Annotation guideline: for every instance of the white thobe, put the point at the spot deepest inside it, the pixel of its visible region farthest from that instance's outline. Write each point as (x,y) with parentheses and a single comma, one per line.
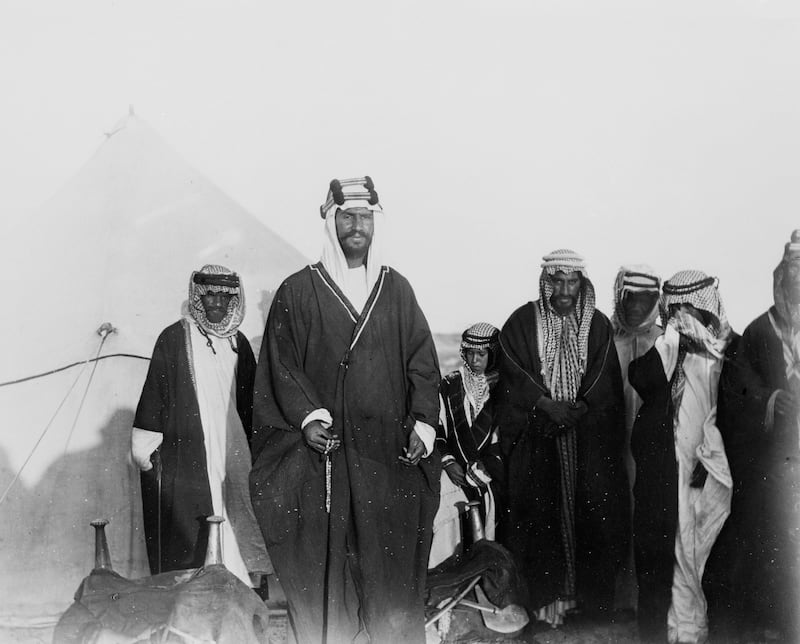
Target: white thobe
(701,511)
(227,452)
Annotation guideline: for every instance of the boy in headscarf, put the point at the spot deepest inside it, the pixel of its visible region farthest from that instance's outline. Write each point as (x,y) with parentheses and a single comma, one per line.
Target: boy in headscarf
(683,483)
(560,414)
(757,559)
(467,440)
(344,485)
(190,433)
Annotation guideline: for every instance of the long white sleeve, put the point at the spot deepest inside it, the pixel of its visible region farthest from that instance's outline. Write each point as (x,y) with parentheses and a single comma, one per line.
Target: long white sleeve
(143,444)
(427,435)
(667,345)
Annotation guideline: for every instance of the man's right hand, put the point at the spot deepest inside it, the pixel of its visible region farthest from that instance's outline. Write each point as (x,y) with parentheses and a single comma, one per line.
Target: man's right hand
(142,462)
(560,412)
(320,439)
(456,474)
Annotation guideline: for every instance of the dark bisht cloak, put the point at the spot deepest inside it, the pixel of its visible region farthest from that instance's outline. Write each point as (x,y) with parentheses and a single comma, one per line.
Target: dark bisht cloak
(753,574)
(168,405)
(655,514)
(360,569)
(531,526)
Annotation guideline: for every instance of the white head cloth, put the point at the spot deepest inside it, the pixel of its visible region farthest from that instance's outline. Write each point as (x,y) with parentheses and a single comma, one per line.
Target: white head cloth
(789,316)
(635,278)
(332,254)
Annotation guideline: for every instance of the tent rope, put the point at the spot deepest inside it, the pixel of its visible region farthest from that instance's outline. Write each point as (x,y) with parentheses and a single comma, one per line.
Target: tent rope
(46,428)
(85,363)
(85,392)
(70,366)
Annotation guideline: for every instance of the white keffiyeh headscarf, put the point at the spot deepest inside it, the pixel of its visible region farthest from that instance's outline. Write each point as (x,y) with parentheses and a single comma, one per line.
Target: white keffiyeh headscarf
(344,194)
(787,321)
(635,278)
(789,315)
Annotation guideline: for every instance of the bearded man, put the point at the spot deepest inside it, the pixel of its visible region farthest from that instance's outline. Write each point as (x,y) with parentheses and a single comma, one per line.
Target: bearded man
(346,400)
(759,416)
(636,297)
(560,408)
(192,422)
(683,484)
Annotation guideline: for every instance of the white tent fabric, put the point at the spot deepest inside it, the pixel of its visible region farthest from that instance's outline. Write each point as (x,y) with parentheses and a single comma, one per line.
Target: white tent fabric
(117,244)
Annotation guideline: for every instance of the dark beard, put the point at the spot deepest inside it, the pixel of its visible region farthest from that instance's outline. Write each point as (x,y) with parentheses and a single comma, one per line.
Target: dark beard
(573,305)
(351,253)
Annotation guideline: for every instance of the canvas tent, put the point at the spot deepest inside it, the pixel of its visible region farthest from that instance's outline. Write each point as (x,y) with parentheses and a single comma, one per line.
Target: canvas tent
(116,245)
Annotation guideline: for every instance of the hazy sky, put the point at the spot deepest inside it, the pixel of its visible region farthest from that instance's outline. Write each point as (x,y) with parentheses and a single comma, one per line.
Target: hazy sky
(496,131)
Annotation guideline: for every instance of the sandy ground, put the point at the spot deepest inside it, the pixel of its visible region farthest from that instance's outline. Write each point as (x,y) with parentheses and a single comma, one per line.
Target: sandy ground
(581,632)
(578,632)
(470,629)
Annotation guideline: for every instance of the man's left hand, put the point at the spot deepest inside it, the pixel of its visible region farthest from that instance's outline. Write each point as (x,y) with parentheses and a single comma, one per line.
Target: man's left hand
(413,453)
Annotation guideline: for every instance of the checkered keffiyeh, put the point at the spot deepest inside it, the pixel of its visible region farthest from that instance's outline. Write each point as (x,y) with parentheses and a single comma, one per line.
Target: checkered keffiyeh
(213,277)
(698,289)
(481,335)
(566,338)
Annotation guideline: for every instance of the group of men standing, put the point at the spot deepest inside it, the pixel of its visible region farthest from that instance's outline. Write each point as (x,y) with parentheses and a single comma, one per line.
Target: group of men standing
(602,425)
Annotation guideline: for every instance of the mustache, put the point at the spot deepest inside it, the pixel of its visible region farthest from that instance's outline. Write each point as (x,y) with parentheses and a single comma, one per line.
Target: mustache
(568,300)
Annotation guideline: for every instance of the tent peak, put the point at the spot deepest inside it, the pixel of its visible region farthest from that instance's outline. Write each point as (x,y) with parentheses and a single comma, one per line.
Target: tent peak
(129,118)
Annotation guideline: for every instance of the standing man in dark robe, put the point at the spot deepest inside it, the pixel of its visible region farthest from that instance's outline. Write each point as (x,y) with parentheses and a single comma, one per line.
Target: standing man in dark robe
(561,419)
(757,557)
(190,433)
(637,292)
(683,483)
(346,400)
